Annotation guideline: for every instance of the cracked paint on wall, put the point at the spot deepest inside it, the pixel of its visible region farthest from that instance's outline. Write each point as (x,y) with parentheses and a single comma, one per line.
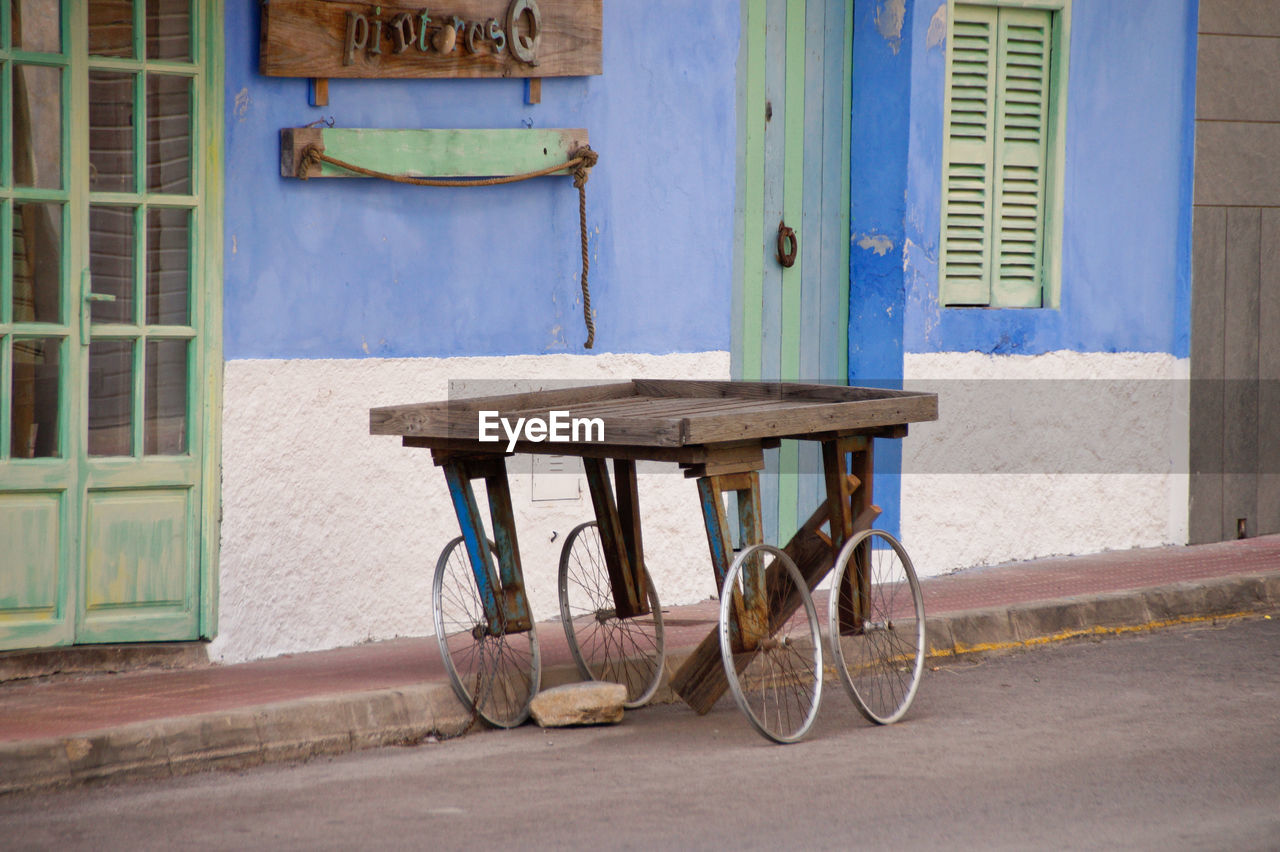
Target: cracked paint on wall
(937,34)
(878,243)
(889,20)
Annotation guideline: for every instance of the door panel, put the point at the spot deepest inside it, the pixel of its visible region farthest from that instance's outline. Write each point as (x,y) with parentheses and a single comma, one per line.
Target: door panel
(791,322)
(138,571)
(30,526)
(108,259)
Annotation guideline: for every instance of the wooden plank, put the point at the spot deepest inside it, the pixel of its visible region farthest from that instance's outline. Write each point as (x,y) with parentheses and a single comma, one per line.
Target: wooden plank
(764,390)
(382,416)
(774,174)
(1269,377)
(1240,365)
(833,335)
(428,153)
(862,463)
(731,458)
(628,493)
(461,421)
(811,226)
(793,213)
(330,38)
(616,557)
(690,455)
(800,422)
(750,292)
(1208,296)
(517,617)
(318,95)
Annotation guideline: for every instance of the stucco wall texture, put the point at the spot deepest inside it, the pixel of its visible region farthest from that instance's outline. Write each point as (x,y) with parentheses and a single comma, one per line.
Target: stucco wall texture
(1034,456)
(330,535)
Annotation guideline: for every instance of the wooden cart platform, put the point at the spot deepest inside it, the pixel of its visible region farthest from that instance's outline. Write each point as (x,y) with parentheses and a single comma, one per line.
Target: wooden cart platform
(716,431)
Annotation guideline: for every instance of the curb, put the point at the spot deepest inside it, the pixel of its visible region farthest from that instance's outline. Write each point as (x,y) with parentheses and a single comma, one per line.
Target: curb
(334,724)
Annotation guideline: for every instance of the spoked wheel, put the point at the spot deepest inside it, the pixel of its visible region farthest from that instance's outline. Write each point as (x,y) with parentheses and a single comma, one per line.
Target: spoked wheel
(777,682)
(495,673)
(881,659)
(629,651)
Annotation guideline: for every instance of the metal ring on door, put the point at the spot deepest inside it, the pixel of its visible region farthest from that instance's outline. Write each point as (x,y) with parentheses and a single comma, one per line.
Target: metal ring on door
(788,245)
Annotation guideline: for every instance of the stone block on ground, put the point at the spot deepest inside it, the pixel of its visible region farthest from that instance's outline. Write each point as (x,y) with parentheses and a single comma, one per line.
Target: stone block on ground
(591,703)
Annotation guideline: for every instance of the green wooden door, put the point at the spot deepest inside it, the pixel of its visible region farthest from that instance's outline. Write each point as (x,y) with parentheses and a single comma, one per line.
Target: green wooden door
(108,344)
(791,322)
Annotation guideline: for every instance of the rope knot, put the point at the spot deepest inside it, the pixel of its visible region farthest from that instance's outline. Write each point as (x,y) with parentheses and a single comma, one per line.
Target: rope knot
(311,156)
(588,160)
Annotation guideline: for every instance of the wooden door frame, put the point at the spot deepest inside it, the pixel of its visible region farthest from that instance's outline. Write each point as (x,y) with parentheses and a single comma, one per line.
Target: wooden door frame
(205,370)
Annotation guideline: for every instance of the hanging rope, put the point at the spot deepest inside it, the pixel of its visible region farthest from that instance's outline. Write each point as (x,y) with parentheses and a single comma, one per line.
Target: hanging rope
(581,162)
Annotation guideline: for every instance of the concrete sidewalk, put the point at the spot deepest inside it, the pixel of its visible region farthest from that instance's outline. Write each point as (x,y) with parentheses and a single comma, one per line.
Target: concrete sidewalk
(59,731)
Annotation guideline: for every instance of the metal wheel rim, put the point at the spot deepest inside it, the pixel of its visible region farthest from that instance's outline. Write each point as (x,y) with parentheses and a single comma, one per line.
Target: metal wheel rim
(647,674)
(776,733)
(495,654)
(872,705)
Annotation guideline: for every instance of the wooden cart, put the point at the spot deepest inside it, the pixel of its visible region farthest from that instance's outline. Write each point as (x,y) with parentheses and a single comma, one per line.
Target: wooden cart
(767,648)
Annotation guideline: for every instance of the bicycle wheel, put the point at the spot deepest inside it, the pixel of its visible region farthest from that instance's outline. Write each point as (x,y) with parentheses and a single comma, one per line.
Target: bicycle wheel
(880,662)
(629,651)
(778,683)
(493,672)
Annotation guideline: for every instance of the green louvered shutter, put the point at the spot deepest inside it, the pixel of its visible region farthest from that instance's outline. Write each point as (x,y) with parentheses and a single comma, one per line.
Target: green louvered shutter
(1021,145)
(966,253)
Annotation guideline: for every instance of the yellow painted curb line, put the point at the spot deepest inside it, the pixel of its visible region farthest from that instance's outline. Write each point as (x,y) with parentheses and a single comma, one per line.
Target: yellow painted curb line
(1064,635)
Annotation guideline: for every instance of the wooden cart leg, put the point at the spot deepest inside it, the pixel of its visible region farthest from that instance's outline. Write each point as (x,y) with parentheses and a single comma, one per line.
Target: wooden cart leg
(618,522)
(750,607)
(851,511)
(506,605)
(701,680)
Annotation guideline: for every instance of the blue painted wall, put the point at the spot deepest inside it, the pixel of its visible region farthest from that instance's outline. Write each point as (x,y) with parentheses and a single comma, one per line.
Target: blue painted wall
(878,173)
(1126,215)
(354,268)
(1127,200)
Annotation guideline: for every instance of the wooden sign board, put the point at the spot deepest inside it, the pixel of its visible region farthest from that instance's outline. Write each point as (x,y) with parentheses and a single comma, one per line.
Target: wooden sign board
(459,38)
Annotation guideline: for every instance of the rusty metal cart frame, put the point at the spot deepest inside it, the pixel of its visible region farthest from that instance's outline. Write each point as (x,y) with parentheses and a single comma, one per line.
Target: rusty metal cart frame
(767,648)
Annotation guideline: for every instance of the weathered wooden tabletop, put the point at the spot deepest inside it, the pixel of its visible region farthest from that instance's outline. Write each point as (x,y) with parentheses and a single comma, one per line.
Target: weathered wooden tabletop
(663,420)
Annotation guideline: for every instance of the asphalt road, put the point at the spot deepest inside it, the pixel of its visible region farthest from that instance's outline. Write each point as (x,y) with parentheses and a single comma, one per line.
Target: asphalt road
(1159,741)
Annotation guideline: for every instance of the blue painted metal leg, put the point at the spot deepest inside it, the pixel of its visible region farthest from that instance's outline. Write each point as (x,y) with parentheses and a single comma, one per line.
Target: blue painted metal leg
(464,505)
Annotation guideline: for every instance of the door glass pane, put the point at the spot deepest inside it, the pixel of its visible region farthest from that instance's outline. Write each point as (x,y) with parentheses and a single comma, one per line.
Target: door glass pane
(37,261)
(168,243)
(168,29)
(37,126)
(111,261)
(165,424)
(111,151)
(37,25)
(111,27)
(168,134)
(35,398)
(110,398)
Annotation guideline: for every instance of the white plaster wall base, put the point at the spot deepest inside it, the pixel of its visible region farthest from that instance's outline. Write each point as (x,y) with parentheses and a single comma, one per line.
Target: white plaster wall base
(1044,455)
(330,535)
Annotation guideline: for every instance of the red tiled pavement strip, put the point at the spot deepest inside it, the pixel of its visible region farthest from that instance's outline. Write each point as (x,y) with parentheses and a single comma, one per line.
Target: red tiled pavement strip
(31,710)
